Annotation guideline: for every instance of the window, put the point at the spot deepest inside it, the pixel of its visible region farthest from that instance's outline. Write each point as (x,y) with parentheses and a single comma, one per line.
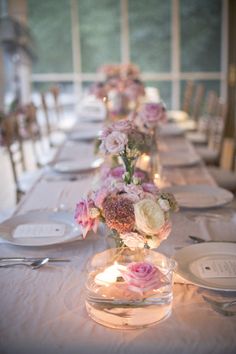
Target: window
(172,41)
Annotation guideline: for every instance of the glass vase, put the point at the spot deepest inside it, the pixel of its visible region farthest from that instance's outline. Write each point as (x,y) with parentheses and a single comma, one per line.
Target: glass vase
(114,301)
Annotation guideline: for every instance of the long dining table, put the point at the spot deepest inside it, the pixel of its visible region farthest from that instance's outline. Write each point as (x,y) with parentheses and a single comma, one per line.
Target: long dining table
(43,310)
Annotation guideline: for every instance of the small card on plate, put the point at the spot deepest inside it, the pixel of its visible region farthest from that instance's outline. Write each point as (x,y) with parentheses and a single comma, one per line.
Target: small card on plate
(39,230)
(217,268)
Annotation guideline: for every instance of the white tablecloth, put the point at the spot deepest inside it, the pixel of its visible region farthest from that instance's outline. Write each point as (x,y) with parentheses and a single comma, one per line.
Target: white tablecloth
(43,311)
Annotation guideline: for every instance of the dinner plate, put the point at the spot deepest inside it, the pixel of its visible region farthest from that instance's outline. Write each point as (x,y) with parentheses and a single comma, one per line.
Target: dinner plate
(171,129)
(177,116)
(210,265)
(200,196)
(84,135)
(43,219)
(76,166)
(179,159)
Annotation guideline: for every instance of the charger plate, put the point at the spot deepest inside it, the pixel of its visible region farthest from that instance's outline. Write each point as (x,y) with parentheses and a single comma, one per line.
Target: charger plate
(72,231)
(209,265)
(200,196)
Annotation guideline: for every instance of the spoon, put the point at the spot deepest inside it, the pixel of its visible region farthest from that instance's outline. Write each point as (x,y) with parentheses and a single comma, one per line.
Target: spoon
(34,265)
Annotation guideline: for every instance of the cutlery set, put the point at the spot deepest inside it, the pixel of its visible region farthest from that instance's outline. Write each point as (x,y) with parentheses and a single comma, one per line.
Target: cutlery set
(33,263)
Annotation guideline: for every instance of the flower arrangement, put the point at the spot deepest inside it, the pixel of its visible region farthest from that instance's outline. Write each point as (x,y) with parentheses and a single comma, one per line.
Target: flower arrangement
(129,70)
(150,116)
(137,213)
(124,140)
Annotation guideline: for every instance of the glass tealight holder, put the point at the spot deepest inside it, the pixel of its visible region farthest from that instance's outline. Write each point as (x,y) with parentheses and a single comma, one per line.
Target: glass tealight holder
(115,300)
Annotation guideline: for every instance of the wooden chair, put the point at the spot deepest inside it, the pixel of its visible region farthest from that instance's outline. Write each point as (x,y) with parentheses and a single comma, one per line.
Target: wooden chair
(212,152)
(200,137)
(14,144)
(183,115)
(188,95)
(55,91)
(43,153)
(55,136)
(225,175)
(197,102)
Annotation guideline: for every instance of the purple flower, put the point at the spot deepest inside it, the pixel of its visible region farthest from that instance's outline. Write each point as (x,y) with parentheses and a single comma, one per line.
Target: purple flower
(117,172)
(150,188)
(123,125)
(153,113)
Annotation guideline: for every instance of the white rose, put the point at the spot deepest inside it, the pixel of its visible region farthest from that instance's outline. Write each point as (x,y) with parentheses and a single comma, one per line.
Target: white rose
(164,204)
(153,242)
(115,142)
(149,217)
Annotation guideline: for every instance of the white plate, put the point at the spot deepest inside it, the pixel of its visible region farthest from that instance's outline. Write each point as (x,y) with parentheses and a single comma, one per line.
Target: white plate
(76,166)
(200,196)
(171,129)
(177,116)
(72,230)
(94,119)
(193,260)
(179,159)
(83,135)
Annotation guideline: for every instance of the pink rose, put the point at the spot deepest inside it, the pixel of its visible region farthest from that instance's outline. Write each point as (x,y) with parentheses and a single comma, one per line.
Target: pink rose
(83,215)
(124,126)
(153,113)
(114,143)
(105,132)
(142,277)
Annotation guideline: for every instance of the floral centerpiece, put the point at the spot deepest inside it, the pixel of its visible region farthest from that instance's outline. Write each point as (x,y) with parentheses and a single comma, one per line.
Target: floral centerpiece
(135,210)
(138,214)
(148,119)
(125,142)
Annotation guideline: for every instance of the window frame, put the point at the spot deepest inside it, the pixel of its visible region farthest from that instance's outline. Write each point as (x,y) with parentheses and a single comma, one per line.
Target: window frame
(175,76)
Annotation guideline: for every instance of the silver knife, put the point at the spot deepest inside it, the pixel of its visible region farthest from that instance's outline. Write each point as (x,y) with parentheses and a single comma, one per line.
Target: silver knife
(31,259)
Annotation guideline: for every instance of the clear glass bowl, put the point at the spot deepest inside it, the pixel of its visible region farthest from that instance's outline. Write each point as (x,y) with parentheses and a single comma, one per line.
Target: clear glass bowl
(113,303)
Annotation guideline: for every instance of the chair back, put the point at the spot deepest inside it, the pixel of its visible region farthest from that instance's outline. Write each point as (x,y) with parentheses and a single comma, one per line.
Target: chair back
(46,114)
(197,101)
(227,154)
(187,99)
(55,91)
(13,142)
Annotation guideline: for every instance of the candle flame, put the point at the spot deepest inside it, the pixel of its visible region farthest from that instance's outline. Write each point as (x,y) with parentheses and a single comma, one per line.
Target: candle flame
(109,275)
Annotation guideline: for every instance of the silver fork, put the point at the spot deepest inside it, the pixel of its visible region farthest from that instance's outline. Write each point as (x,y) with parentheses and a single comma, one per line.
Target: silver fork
(221,306)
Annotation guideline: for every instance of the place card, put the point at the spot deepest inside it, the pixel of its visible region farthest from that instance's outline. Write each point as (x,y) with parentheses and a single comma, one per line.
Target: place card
(39,230)
(217,268)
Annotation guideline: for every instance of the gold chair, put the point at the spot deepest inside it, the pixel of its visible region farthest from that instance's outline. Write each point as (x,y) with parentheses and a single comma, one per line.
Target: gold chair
(224,175)
(200,137)
(188,96)
(13,141)
(55,136)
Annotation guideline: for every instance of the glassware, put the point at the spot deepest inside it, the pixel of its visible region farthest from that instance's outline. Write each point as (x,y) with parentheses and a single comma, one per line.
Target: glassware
(114,302)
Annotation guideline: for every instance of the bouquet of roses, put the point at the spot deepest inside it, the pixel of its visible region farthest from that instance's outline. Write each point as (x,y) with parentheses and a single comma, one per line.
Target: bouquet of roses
(137,213)
(124,140)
